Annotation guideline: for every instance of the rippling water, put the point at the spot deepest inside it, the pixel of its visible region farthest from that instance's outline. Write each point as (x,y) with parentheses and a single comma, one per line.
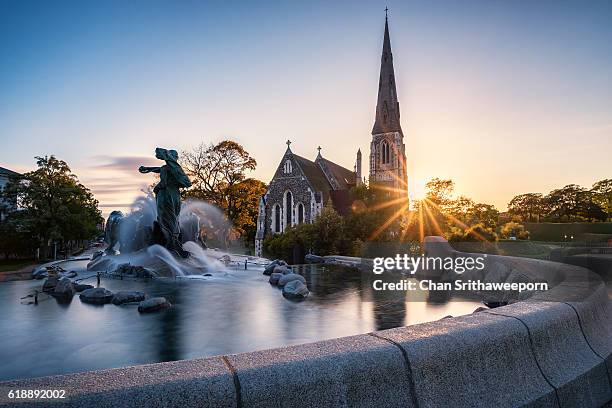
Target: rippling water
(221,315)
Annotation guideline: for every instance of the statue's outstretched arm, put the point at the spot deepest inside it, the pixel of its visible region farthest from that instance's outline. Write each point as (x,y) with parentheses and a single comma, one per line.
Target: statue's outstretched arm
(144,169)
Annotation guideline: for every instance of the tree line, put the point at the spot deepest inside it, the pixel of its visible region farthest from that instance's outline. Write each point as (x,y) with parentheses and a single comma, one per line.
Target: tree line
(54,211)
(571,203)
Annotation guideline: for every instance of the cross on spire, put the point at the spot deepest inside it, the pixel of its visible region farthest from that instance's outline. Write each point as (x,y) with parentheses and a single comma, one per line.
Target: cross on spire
(288,142)
(386,10)
(319,149)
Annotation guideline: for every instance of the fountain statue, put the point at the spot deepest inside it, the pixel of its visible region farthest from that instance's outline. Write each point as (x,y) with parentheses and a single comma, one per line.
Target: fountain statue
(166,229)
(164,237)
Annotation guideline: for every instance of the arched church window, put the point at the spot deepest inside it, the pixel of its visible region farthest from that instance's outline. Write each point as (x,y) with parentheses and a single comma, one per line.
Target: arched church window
(288,208)
(300,214)
(385,152)
(288,168)
(277,218)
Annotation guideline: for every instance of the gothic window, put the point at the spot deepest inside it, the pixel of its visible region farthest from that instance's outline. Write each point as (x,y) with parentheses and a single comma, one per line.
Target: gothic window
(300,213)
(277,218)
(288,208)
(385,152)
(287,168)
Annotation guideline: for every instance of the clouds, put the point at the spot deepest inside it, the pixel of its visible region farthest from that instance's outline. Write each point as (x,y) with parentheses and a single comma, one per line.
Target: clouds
(115,180)
(126,164)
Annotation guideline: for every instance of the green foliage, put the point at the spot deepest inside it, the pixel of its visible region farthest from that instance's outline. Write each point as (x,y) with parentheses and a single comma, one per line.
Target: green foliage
(54,206)
(514,229)
(571,203)
(218,175)
(475,233)
(602,196)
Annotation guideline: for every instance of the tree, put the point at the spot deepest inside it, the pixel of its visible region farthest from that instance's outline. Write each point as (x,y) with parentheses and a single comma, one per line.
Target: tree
(214,169)
(218,175)
(328,231)
(602,195)
(530,206)
(54,206)
(440,191)
(484,214)
(243,206)
(514,229)
(563,202)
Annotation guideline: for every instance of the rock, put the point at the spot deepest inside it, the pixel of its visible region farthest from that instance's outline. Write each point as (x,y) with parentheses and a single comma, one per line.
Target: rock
(274,278)
(71,274)
(63,289)
(312,258)
(96,296)
(285,279)
(283,269)
(135,271)
(128,296)
(79,287)
(153,305)
(479,309)
(49,284)
(40,273)
(270,268)
(295,289)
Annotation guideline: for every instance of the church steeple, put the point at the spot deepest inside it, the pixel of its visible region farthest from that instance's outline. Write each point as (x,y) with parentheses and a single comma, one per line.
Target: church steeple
(387,106)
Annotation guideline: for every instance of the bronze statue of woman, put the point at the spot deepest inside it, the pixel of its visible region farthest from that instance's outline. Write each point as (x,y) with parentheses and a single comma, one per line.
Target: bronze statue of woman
(166,230)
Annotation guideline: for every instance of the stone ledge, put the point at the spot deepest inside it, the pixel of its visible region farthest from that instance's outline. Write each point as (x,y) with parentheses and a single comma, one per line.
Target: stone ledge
(473,361)
(189,383)
(562,352)
(356,371)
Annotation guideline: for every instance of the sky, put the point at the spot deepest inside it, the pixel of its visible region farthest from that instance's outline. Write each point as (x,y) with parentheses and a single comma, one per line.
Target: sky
(503,97)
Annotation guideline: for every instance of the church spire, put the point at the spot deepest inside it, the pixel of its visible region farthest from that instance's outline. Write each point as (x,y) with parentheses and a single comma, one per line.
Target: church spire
(387,106)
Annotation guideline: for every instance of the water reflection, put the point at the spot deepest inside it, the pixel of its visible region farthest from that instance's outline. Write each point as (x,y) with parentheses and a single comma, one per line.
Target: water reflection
(233,314)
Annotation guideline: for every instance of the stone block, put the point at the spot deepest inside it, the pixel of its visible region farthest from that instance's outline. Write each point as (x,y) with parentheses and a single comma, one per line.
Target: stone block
(478,360)
(178,384)
(595,315)
(357,371)
(563,354)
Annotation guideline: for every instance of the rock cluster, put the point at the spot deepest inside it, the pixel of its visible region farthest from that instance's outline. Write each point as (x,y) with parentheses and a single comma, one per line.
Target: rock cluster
(270,268)
(293,284)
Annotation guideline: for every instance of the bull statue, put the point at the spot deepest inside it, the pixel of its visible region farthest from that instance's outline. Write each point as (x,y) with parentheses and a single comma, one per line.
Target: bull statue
(111,231)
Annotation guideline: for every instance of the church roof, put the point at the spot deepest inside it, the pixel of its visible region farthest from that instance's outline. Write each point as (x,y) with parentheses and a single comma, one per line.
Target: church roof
(387,106)
(7,172)
(314,174)
(344,176)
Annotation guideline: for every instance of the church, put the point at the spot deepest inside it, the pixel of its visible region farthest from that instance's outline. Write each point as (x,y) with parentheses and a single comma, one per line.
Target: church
(301,187)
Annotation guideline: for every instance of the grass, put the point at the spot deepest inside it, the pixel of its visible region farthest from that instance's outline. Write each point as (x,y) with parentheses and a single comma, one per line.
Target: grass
(15,264)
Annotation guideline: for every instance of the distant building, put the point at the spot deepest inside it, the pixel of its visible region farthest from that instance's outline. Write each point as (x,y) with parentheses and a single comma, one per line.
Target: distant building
(299,190)
(5,176)
(301,187)
(387,149)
